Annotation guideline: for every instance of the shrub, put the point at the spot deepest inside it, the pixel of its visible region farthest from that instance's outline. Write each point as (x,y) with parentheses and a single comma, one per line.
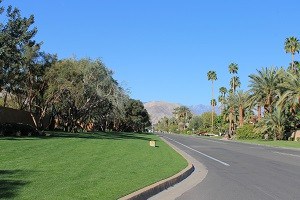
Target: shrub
(18,129)
(247,132)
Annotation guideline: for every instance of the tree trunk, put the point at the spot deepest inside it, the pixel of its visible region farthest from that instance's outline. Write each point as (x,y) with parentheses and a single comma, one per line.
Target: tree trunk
(258,112)
(213,109)
(241,116)
(5,99)
(293,67)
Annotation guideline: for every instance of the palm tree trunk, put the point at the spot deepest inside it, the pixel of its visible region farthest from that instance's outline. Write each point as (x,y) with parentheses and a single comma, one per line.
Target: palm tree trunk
(241,116)
(259,112)
(293,68)
(213,108)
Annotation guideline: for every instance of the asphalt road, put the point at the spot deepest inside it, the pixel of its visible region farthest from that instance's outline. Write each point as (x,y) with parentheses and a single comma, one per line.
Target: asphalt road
(241,171)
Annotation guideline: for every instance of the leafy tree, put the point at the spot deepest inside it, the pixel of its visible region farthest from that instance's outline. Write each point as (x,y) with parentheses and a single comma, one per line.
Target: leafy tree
(292,45)
(137,117)
(16,37)
(76,88)
(196,123)
(212,76)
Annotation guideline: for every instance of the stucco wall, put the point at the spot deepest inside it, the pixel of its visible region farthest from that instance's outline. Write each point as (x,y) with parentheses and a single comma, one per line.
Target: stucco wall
(9,115)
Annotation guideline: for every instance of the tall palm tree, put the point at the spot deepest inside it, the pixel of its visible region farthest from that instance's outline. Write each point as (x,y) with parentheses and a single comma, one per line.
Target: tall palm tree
(233,69)
(222,98)
(235,82)
(292,45)
(212,76)
(230,113)
(223,91)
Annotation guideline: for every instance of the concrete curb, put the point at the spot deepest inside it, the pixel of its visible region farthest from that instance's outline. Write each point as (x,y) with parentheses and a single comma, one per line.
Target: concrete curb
(158,187)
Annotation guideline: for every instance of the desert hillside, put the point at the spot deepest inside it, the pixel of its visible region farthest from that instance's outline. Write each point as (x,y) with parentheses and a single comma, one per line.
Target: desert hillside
(160,109)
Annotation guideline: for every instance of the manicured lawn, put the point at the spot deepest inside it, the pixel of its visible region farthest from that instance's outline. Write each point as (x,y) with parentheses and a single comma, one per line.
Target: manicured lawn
(278,143)
(83,166)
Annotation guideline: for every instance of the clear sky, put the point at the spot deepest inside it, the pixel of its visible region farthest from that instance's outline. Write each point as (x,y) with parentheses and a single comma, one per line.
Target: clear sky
(163,49)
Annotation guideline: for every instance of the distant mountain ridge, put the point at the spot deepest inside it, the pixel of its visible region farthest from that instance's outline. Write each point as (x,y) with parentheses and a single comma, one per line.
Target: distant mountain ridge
(160,109)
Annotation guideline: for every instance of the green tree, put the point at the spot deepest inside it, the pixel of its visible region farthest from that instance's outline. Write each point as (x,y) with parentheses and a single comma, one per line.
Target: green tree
(273,124)
(196,123)
(235,83)
(242,100)
(233,69)
(264,87)
(137,117)
(292,45)
(15,37)
(76,88)
(290,98)
(212,76)
(222,98)
(183,116)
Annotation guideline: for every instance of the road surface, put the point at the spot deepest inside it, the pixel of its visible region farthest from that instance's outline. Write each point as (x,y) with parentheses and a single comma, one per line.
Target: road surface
(241,171)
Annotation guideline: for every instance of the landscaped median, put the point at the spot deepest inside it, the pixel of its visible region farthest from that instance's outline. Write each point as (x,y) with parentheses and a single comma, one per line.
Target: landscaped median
(83,166)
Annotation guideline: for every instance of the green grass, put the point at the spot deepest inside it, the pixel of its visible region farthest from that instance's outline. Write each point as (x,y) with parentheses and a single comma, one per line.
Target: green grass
(277,143)
(83,166)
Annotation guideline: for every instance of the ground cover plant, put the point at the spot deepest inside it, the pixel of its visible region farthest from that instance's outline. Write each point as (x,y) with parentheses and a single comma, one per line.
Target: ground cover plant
(83,166)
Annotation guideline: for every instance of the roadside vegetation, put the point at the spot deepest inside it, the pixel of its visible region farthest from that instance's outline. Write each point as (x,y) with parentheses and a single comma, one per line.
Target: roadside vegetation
(77,94)
(83,165)
(269,110)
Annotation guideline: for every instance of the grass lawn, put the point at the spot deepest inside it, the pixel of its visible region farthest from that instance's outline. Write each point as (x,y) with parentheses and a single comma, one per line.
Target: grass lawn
(83,166)
(277,143)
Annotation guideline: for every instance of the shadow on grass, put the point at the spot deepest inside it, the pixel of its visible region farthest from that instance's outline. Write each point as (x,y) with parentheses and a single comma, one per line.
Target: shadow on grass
(10,183)
(95,135)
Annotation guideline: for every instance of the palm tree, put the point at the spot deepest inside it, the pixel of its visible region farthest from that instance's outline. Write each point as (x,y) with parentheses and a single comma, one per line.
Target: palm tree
(290,98)
(213,102)
(273,123)
(235,82)
(295,65)
(212,76)
(222,98)
(242,100)
(233,69)
(230,113)
(264,87)
(223,91)
(292,45)
(257,99)
(183,115)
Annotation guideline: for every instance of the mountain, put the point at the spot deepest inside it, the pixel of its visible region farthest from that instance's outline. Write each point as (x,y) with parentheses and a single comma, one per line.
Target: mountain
(199,109)
(160,109)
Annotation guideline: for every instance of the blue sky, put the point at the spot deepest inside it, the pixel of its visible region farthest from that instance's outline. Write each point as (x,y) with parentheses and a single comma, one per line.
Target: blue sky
(163,49)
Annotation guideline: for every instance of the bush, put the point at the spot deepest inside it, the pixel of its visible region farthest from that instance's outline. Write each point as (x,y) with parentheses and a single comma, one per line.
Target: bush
(247,132)
(18,129)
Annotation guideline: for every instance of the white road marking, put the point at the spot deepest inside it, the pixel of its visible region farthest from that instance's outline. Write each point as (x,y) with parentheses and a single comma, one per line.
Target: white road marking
(288,154)
(219,161)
